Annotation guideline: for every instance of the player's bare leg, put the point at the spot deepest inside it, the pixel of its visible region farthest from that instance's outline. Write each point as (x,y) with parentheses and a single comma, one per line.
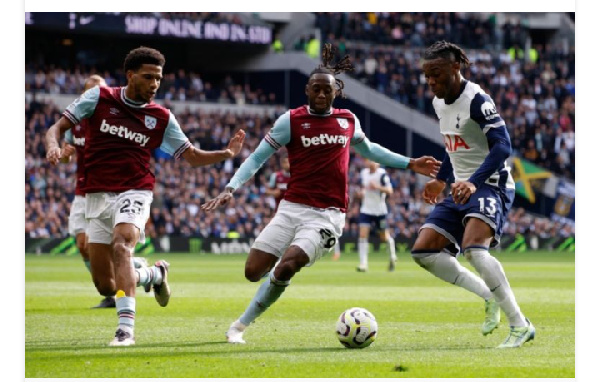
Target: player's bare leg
(477,239)
(391,243)
(259,263)
(102,267)
(82,245)
(363,248)
(125,237)
(427,252)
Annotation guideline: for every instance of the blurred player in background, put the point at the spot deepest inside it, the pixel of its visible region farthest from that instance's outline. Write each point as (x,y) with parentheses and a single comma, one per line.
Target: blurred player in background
(75,144)
(311,216)
(124,126)
(279,181)
(376,186)
(472,217)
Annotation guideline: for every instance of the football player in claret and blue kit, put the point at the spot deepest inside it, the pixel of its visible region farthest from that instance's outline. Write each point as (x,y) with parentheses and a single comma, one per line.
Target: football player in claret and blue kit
(311,216)
(124,125)
(471,219)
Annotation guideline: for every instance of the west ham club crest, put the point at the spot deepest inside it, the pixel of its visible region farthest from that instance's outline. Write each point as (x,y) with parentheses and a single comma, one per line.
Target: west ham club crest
(150,122)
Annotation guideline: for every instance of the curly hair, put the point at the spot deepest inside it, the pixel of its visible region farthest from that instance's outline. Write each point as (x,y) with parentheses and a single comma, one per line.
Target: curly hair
(143,55)
(343,65)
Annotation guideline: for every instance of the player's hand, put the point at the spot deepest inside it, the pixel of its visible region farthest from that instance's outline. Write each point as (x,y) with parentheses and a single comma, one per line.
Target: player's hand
(462,191)
(426,165)
(372,186)
(53,155)
(221,200)
(237,142)
(67,151)
(432,190)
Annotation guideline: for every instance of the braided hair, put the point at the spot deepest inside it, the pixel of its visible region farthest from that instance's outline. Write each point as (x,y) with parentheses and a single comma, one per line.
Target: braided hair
(448,51)
(343,65)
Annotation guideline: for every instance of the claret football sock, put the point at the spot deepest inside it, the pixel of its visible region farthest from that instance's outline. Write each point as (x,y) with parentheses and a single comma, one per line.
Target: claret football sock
(492,273)
(268,292)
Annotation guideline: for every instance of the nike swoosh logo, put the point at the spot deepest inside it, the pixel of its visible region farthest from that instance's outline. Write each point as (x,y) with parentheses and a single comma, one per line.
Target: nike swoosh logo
(493,289)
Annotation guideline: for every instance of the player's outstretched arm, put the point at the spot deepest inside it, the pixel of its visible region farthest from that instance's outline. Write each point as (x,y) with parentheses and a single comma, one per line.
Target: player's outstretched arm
(53,151)
(426,165)
(197,157)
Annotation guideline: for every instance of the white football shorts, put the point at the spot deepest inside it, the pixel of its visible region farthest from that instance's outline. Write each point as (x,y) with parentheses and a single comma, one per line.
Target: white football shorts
(315,230)
(77,222)
(104,210)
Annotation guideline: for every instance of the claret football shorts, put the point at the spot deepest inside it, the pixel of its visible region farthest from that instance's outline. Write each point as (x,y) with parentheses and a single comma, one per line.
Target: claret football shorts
(315,230)
(104,210)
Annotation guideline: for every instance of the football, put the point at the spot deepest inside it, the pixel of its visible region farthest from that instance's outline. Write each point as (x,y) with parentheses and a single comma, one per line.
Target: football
(356,328)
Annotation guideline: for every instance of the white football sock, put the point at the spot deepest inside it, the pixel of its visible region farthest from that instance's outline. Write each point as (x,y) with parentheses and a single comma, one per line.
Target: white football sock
(363,252)
(447,268)
(492,273)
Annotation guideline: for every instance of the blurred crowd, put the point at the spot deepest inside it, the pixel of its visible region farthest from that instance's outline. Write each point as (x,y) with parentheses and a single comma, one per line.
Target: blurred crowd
(181,189)
(180,86)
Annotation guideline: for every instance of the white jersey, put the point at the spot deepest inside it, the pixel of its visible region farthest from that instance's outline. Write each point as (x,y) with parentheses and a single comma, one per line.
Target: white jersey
(373,202)
(464,124)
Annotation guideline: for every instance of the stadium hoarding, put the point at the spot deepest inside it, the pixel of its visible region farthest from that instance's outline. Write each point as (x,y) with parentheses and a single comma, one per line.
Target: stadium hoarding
(225,246)
(150,25)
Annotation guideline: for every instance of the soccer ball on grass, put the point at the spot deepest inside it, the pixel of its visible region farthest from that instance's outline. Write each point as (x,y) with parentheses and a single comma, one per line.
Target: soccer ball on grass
(356,328)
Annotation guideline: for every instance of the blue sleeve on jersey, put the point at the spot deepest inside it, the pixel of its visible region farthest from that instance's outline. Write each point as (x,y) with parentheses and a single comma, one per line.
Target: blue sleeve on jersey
(84,106)
(280,133)
(174,141)
(483,111)
(359,135)
(252,164)
(500,149)
(69,137)
(446,172)
(380,154)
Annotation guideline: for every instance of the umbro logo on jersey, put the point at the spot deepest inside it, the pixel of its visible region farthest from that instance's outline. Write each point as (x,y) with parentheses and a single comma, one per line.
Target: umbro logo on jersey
(305,125)
(324,139)
(114,111)
(343,123)
(124,132)
(458,122)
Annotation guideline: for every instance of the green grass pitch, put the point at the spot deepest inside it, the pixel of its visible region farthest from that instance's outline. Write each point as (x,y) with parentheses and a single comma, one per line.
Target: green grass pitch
(427,328)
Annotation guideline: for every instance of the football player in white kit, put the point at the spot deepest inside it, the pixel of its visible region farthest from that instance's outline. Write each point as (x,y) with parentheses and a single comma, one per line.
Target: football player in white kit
(471,219)
(376,186)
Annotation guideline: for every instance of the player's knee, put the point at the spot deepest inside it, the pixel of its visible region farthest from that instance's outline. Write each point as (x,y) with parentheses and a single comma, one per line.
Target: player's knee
(289,267)
(122,250)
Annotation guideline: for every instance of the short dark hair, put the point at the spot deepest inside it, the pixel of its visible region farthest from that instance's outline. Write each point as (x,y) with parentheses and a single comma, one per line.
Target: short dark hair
(341,66)
(448,51)
(143,55)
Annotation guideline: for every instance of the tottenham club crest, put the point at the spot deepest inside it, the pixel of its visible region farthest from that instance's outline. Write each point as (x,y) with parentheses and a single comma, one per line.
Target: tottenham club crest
(150,122)
(343,123)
